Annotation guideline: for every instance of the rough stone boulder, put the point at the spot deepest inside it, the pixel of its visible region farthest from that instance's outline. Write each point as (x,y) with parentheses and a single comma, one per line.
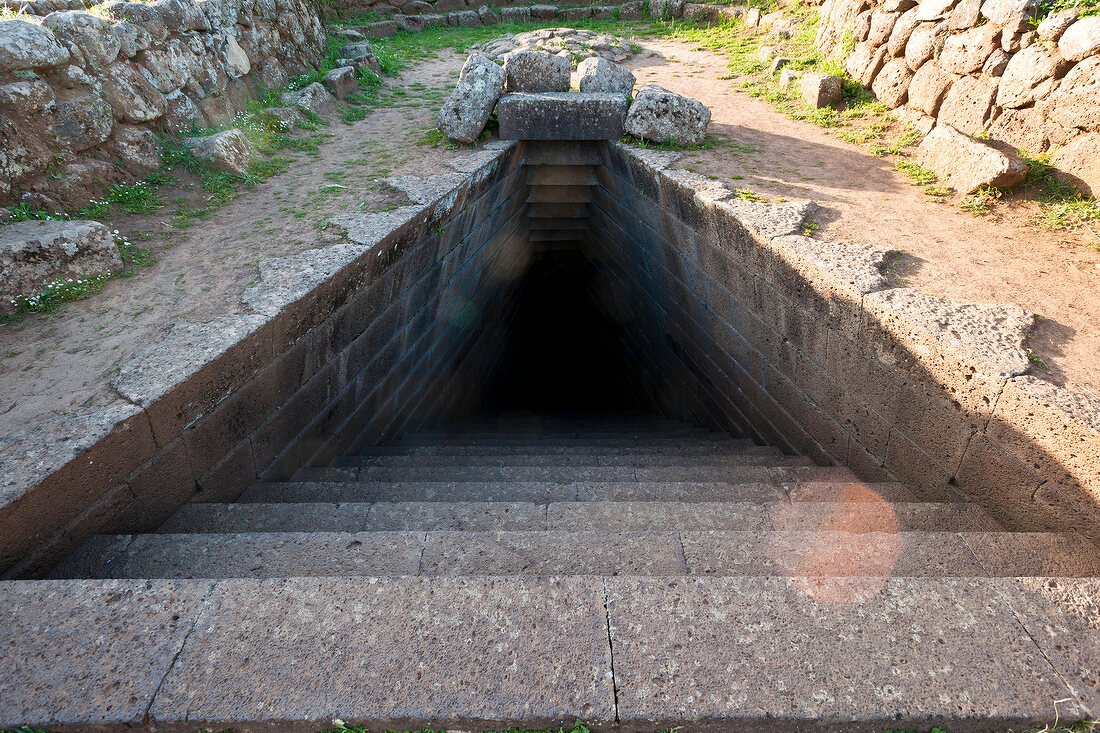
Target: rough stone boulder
(25,46)
(312,98)
(891,86)
(35,253)
(86,35)
(657,114)
(966,163)
(1029,76)
(1081,39)
(536,71)
(341,81)
(229,151)
(1079,163)
(821,90)
(597,74)
(466,111)
(1011,14)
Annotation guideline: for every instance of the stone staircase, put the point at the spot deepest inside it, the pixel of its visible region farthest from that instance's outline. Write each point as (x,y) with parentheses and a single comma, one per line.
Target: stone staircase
(620,568)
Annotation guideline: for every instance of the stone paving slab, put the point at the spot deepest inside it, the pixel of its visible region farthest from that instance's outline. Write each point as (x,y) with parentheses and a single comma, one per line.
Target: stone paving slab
(830,554)
(880,516)
(682,491)
(289,517)
(557,472)
(451,449)
(467,516)
(1035,553)
(395,649)
(634,516)
(1062,616)
(264,554)
(84,652)
(754,456)
(553,553)
(849,491)
(367,491)
(761,650)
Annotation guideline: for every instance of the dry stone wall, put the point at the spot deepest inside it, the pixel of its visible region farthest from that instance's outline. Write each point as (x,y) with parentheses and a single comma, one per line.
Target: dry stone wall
(982,67)
(82,92)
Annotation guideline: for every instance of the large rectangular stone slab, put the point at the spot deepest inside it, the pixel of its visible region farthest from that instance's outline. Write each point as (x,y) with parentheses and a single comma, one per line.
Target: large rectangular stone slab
(426,650)
(633,516)
(561,116)
(81,652)
(857,653)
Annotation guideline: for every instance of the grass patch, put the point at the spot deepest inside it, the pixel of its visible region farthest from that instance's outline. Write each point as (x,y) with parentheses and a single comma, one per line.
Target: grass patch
(980,202)
(918,176)
(1061,206)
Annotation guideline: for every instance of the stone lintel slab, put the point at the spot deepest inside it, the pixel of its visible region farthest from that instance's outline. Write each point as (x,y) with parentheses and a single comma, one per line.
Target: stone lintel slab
(394,649)
(846,654)
(561,116)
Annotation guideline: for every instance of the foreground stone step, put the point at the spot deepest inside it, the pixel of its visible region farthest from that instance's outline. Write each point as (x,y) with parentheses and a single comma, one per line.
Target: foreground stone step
(592,515)
(544,434)
(757,455)
(534,444)
(601,552)
(522,649)
(751,469)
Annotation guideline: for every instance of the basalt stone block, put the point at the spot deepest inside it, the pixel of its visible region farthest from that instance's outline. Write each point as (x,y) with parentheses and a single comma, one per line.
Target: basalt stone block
(561,116)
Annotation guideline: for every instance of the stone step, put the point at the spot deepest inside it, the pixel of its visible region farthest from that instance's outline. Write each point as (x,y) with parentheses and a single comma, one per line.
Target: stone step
(547,444)
(474,450)
(556,235)
(749,456)
(715,653)
(591,515)
(559,194)
(545,492)
(550,432)
(768,467)
(561,175)
(557,211)
(723,553)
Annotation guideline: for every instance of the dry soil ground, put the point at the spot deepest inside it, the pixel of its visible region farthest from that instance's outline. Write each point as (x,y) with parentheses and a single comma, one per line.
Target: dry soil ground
(55,363)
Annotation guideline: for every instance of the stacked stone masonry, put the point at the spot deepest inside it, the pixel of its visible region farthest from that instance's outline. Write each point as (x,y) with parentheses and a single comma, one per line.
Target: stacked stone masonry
(83,90)
(981,67)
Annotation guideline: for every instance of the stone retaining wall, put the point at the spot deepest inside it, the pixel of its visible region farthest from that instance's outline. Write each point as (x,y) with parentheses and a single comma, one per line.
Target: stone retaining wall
(982,67)
(802,344)
(82,92)
(353,343)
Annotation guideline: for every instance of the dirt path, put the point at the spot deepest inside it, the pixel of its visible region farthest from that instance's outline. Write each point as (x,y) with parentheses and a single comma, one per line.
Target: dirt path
(54,363)
(952,254)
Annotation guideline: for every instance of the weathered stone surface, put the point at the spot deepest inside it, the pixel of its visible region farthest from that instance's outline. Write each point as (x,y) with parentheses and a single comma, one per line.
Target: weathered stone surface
(903,28)
(657,114)
(882,23)
(180,113)
(119,639)
(928,87)
(26,45)
(131,96)
(965,53)
(393,649)
(26,98)
(990,336)
(464,19)
(997,62)
(182,15)
(562,116)
(597,74)
(516,15)
(969,103)
(935,624)
(146,16)
(771,220)
(84,122)
(934,9)
(965,15)
(341,81)
(891,86)
(1055,24)
(925,41)
(170,67)
(857,267)
(284,280)
(93,37)
(967,163)
(1011,14)
(36,253)
(1081,39)
(1074,102)
(312,98)
(466,111)
(161,365)
(1079,163)
(229,151)
(1023,129)
(418,23)
(536,71)
(821,90)
(634,10)
(137,147)
(1028,76)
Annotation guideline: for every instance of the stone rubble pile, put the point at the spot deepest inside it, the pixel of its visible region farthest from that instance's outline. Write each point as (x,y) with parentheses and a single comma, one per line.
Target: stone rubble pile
(81,91)
(655,114)
(569,43)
